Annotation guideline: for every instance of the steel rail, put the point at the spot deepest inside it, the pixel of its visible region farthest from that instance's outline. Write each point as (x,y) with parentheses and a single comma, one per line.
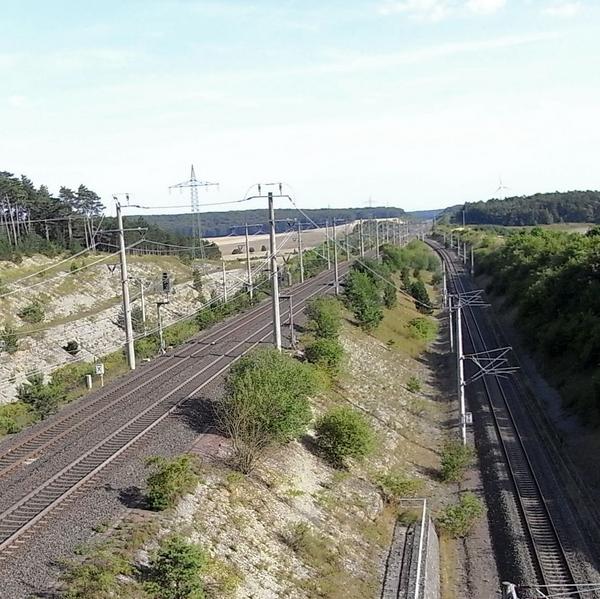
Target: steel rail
(548,551)
(30,509)
(42,439)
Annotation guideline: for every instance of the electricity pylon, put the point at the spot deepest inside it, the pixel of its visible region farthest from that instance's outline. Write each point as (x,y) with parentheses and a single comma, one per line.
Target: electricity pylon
(193,184)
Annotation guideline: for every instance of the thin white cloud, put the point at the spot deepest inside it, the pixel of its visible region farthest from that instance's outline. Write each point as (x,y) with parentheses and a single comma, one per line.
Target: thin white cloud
(563,10)
(393,59)
(485,7)
(438,10)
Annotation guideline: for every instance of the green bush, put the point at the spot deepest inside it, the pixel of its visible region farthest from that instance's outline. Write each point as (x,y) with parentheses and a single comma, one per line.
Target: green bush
(413,384)
(326,353)
(363,299)
(396,485)
(390,297)
(324,317)
(458,519)
(8,425)
(343,433)
(146,347)
(137,322)
(10,339)
(423,328)
(32,313)
(421,297)
(175,570)
(265,403)
(170,480)
(44,399)
(456,458)
(98,576)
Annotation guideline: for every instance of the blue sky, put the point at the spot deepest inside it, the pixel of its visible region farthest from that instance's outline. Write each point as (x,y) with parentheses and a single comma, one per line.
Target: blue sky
(415,103)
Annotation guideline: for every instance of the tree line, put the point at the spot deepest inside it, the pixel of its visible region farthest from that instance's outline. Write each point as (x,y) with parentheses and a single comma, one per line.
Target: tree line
(218,224)
(553,279)
(32,220)
(538,209)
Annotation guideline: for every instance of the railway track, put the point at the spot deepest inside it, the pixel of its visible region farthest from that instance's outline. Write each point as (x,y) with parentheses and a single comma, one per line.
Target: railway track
(21,517)
(550,552)
(30,446)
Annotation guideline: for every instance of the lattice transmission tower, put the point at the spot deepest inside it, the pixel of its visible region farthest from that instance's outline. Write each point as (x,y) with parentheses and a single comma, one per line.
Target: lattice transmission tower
(193,184)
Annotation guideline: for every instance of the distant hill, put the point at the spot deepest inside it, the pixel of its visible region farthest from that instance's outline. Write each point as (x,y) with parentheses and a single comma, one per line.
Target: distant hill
(218,224)
(538,209)
(425,214)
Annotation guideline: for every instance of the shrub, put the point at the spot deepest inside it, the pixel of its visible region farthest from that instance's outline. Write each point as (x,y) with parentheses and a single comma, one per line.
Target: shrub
(146,347)
(263,248)
(98,576)
(9,425)
(389,295)
(324,317)
(363,299)
(344,433)
(265,403)
(423,328)
(197,280)
(137,321)
(170,480)
(413,384)
(325,353)
(175,571)
(10,339)
(44,399)
(458,519)
(421,297)
(32,313)
(72,347)
(395,486)
(456,458)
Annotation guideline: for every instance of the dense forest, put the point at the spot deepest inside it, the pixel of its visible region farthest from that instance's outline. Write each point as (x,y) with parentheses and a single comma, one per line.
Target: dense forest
(33,220)
(553,278)
(217,224)
(538,209)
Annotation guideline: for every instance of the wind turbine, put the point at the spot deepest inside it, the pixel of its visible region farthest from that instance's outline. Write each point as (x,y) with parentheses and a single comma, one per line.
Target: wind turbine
(501,189)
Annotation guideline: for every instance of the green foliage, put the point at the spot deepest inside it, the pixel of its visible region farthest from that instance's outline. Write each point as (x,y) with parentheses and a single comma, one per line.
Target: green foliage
(422,301)
(10,339)
(43,398)
(456,458)
(457,520)
(538,209)
(343,433)
(175,571)
(396,486)
(325,353)
(137,322)
(389,295)
(265,403)
(98,576)
(552,279)
(13,417)
(73,214)
(413,384)
(170,480)
(324,316)
(32,313)
(423,328)
(146,347)
(363,299)
(197,281)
